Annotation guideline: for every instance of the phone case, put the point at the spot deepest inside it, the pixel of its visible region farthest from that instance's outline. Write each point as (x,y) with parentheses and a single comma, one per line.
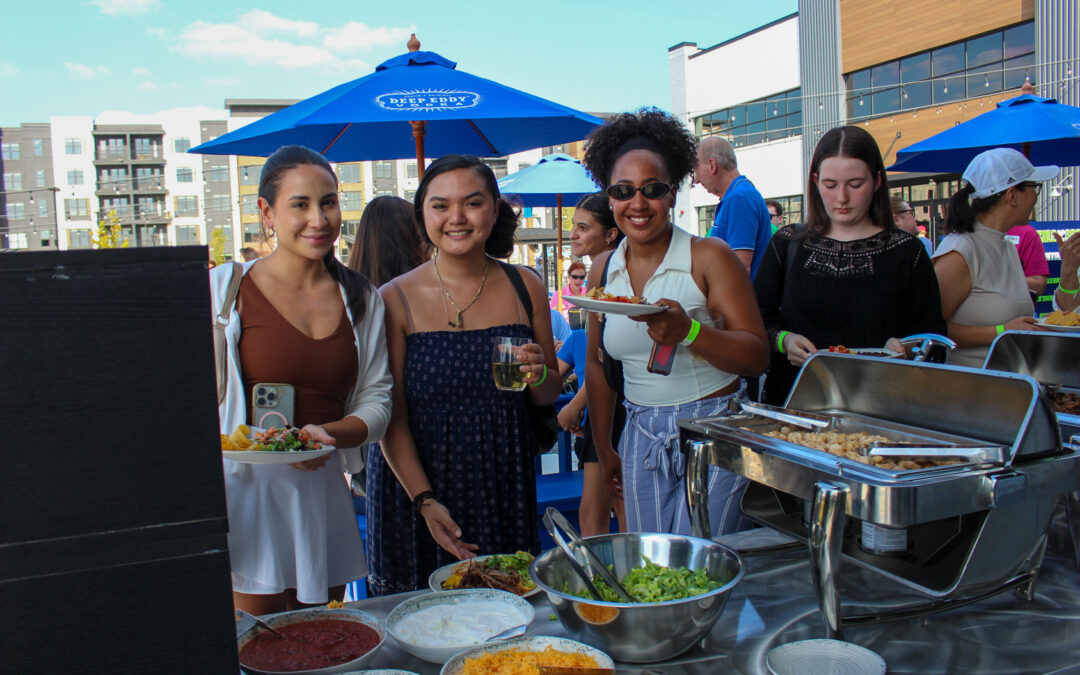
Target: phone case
(661,359)
(272,404)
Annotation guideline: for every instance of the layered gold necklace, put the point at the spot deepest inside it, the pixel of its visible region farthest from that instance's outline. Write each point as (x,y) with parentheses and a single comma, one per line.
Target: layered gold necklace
(460,310)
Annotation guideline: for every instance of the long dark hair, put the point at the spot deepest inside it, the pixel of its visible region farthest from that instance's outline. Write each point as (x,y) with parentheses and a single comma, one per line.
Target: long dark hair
(500,243)
(387,241)
(963,210)
(647,129)
(289,157)
(598,205)
(857,143)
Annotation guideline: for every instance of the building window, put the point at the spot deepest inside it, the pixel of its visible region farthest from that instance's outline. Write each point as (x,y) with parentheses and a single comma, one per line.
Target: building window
(187,235)
(16,210)
(252,233)
(9,150)
(72,146)
(349,173)
(181,144)
(767,119)
(146,148)
(218,204)
(43,208)
(982,65)
(705,217)
(18,240)
(410,170)
(250,175)
(121,206)
(40,178)
(115,179)
(111,148)
(384,193)
(186,205)
(792,205)
(12,181)
(352,200)
(249,204)
(410,195)
(79,238)
(219,173)
(148,178)
(46,238)
(185,174)
(497,165)
(349,227)
(39,147)
(384,170)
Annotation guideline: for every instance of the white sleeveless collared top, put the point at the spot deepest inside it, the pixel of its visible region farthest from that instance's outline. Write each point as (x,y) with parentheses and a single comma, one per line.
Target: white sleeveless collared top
(691,377)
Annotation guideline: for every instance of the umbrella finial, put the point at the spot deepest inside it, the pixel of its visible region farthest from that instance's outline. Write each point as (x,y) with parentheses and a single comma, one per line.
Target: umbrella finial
(1027,88)
(413,44)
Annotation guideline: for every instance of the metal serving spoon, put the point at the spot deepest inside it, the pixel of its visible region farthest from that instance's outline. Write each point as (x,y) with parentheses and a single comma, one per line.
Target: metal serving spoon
(259,622)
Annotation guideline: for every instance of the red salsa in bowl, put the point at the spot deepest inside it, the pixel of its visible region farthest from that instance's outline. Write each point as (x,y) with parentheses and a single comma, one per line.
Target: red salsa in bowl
(314,640)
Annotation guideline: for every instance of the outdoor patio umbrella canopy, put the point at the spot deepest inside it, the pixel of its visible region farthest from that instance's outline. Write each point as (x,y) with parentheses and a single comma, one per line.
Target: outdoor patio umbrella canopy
(556,175)
(1046,131)
(371,118)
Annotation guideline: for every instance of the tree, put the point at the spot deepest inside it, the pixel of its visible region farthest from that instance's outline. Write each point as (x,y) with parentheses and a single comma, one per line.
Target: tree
(109,232)
(217,245)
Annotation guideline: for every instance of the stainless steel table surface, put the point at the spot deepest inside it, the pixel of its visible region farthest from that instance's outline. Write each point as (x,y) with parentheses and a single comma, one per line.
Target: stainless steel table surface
(775,604)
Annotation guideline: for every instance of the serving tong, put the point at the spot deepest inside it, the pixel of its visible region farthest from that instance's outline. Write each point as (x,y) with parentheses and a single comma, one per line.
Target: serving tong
(803,420)
(556,525)
(975,454)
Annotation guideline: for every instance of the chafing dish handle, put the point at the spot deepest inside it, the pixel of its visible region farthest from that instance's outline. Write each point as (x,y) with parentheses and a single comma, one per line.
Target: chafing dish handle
(697,486)
(827,518)
(923,342)
(1072,519)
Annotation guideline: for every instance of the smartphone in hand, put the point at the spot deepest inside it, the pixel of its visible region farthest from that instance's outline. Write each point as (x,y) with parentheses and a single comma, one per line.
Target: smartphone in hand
(272,404)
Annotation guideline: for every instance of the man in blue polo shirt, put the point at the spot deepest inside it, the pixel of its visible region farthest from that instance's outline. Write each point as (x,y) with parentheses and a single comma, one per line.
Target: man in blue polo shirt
(742,219)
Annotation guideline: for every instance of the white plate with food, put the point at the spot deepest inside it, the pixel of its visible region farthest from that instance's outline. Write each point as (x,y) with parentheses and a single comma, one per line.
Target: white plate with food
(288,445)
(1056,327)
(501,579)
(614,306)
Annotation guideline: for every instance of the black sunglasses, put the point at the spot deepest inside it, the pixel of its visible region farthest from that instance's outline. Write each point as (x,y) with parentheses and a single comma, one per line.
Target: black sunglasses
(577,276)
(1028,185)
(623,192)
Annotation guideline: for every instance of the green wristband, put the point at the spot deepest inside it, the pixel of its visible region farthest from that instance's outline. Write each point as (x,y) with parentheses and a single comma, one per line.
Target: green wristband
(780,340)
(691,335)
(1000,329)
(1068,291)
(541,380)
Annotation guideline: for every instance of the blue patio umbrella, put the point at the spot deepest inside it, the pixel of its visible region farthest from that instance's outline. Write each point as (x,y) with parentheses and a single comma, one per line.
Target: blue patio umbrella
(412,104)
(555,178)
(1046,131)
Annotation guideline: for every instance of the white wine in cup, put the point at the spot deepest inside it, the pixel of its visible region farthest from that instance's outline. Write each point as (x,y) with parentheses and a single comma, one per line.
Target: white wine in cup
(507,358)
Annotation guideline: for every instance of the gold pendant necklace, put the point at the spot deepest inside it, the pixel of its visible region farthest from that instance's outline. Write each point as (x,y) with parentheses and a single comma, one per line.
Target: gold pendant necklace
(460,310)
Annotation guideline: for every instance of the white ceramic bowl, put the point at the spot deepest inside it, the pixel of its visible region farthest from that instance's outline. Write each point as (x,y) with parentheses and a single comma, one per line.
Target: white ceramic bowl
(436,578)
(535,643)
(342,614)
(811,657)
(459,597)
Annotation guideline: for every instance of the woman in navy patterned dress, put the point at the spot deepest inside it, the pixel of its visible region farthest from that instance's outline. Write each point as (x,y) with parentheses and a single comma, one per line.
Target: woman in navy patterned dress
(454,477)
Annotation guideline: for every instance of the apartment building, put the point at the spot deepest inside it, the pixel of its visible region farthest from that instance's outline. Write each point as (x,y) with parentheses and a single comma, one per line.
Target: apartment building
(27,196)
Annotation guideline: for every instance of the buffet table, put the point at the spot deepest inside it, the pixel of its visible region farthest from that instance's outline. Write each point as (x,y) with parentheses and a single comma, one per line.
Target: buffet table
(775,604)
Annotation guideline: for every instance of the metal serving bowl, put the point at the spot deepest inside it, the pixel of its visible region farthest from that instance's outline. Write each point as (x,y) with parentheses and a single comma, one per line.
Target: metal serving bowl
(628,631)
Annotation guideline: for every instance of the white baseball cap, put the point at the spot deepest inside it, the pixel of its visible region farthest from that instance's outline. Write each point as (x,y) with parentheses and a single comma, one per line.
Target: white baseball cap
(999,169)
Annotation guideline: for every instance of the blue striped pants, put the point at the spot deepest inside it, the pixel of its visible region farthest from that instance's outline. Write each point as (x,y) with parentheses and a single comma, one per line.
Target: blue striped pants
(654,471)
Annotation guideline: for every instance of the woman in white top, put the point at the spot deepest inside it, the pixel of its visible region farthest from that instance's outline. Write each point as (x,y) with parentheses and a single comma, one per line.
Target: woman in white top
(711,321)
(983,289)
(302,318)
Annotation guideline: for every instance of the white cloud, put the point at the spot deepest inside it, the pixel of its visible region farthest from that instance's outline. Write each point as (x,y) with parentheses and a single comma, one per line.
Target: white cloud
(125,7)
(262,21)
(260,38)
(230,81)
(8,71)
(148,86)
(84,72)
(139,70)
(356,36)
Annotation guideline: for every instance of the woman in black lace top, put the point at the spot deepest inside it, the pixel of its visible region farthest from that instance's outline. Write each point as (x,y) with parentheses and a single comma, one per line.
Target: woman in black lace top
(853,278)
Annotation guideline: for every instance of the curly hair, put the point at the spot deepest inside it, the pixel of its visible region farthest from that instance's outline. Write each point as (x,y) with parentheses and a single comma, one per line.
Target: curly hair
(649,129)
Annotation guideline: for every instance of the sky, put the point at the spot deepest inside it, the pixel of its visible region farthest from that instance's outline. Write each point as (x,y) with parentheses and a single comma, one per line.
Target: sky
(85,57)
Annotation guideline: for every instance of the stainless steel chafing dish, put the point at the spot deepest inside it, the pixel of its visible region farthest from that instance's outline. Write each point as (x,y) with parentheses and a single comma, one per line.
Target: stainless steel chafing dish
(970,529)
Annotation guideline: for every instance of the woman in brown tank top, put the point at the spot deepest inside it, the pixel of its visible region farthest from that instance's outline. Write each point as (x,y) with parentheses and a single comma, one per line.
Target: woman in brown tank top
(307,321)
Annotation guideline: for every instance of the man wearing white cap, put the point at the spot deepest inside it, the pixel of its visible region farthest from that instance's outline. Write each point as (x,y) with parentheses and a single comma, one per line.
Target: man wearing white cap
(983,288)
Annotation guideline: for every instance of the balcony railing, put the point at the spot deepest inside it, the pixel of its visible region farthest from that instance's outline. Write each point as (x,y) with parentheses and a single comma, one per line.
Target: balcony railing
(112,153)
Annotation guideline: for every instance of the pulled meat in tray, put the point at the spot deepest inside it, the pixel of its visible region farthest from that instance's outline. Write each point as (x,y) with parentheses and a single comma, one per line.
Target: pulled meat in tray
(853,446)
(1065,402)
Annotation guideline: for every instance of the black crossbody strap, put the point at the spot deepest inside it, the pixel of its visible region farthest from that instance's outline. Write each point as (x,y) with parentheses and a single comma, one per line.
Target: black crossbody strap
(519,286)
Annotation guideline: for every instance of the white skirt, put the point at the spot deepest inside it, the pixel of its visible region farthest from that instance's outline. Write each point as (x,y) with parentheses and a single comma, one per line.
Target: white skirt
(292,529)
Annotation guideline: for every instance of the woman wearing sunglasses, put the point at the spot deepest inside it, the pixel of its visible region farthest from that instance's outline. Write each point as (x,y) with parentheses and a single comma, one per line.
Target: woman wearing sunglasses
(710,321)
(575,285)
(983,288)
